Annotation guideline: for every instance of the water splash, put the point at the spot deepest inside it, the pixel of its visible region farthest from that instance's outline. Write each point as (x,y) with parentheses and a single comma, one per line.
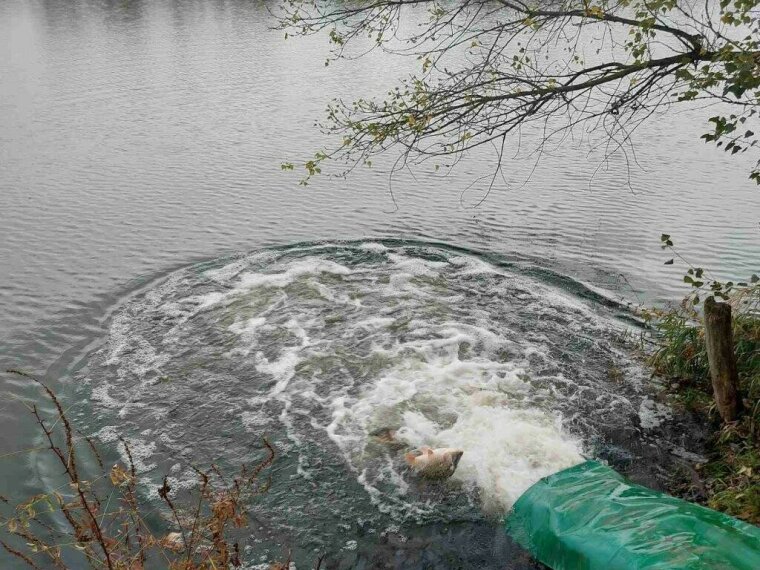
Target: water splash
(320,346)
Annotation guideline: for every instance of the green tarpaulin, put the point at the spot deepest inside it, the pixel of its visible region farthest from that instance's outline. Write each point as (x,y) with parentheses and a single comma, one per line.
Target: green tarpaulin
(589,518)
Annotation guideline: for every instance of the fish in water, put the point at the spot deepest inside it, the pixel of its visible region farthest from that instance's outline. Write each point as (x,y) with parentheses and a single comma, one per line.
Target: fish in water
(431,463)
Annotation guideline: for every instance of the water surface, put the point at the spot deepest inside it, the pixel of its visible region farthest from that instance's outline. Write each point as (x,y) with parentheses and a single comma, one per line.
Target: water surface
(141,138)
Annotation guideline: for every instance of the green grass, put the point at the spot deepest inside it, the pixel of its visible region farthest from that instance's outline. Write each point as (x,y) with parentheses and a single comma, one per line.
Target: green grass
(731,476)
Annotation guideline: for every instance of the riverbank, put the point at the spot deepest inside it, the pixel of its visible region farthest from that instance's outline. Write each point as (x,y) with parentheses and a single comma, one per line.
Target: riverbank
(727,479)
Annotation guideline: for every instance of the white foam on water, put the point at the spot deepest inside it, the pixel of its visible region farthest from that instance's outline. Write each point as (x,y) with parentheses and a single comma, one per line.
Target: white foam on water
(292,272)
(375,322)
(248,280)
(246,328)
(100,394)
(433,398)
(440,378)
(254,420)
(107,434)
(227,272)
(480,405)
(373,246)
(506,450)
(652,414)
(470,265)
(282,369)
(140,450)
(203,302)
(416,265)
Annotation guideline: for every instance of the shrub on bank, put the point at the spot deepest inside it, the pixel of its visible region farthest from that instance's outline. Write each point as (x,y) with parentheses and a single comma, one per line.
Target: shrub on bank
(731,476)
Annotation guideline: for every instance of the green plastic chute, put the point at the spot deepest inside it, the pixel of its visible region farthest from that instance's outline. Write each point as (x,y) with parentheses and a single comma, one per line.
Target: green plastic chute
(589,518)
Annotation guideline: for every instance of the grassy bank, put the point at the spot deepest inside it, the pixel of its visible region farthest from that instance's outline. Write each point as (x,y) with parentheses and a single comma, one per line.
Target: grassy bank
(730,479)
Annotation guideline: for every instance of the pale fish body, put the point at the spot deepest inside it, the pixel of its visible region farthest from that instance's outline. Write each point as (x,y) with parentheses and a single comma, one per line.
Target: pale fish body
(431,463)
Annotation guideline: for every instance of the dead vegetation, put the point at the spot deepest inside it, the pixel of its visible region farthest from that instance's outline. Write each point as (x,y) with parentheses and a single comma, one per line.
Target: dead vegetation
(98,519)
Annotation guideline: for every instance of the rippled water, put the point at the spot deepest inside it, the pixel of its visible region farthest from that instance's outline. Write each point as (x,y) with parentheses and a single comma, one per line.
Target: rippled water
(320,347)
(140,138)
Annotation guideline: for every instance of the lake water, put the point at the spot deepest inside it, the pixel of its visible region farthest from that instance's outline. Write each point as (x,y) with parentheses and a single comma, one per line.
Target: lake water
(144,217)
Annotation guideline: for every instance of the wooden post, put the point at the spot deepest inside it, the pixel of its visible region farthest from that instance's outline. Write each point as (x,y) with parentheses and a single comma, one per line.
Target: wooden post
(720,354)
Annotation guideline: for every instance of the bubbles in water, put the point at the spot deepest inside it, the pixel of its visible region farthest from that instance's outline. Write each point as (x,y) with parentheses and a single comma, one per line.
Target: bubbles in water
(320,347)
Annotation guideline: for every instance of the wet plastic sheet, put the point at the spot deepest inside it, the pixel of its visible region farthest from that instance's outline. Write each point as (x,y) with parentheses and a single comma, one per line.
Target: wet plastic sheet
(589,518)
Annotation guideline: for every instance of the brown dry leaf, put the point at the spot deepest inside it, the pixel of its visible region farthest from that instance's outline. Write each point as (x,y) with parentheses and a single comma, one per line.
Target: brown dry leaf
(120,476)
(173,541)
(224,508)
